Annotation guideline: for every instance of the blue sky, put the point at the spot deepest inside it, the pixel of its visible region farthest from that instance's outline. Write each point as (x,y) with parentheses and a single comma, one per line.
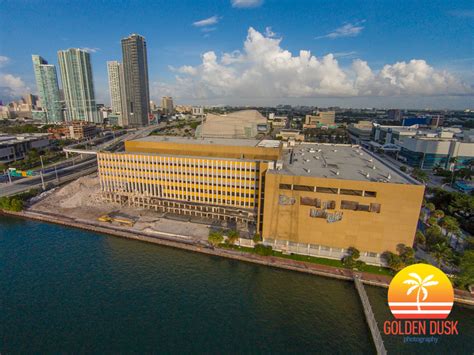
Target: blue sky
(377,33)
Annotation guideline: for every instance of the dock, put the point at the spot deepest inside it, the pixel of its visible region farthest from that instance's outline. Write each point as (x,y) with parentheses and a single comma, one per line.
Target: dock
(369,316)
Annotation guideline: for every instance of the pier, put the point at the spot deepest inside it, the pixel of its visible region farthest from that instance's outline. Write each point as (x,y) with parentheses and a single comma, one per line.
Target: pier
(369,316)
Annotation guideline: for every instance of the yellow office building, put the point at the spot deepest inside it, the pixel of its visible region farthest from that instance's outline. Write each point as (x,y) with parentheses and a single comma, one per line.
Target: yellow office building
(308,199)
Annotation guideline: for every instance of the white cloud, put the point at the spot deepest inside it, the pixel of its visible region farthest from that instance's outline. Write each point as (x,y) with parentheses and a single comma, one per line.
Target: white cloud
(269,32)
(246,3)
(263,69)
(12,87)
(207,22)
(90,50)
(4,61)
(347,30)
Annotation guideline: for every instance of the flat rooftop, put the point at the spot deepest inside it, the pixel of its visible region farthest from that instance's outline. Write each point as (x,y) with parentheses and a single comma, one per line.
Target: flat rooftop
(343,162)
(203,141)
(239,124)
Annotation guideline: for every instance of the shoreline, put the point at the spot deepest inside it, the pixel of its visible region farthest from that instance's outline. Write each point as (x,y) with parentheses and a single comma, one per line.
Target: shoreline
(173,241)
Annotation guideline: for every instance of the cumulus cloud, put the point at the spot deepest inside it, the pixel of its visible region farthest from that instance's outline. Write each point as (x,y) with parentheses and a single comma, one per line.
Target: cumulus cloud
(268,32)
(4,61)
(347,30)
(246,3)
(12,87)
(207,22)
(263,69)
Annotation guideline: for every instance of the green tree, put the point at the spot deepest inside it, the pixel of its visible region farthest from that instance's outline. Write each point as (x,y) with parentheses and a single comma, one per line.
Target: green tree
(438,214)
(420,175)
(420,238)
(394,261)
(430,206)
(450,224)
(232,236)
(466,266)
(350,260)
(403,168)
(215,238)
(256,238)
(432,221)
(434,236)
(441,252)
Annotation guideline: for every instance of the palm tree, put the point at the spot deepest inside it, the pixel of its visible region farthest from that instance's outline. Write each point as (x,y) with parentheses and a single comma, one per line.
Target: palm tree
(440,252)
(421,285)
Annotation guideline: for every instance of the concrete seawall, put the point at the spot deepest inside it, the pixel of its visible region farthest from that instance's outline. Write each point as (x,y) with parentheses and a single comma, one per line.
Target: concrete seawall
(174,241)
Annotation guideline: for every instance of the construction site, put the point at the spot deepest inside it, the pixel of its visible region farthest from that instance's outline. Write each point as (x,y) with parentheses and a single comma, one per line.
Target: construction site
(81,200)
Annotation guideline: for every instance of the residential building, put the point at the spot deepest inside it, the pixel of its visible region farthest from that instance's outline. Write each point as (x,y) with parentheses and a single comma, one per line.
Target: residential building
(48,89)
(320,119)
(136,98)
(78,85)
(16,147)
(167,106)
(115,73)
(312,199)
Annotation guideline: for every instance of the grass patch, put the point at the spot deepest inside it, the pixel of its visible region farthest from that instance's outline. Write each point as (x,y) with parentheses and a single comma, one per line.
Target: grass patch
(313,259)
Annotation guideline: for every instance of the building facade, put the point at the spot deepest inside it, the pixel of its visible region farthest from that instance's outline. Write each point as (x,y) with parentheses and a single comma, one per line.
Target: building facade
(136,99)
(78,85)
(307,198)
(48,89)
(167,106)
(13,148)
(115,74)
(320,119)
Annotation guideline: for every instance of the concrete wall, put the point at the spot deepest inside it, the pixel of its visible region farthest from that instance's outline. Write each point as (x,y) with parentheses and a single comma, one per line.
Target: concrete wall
(367,231)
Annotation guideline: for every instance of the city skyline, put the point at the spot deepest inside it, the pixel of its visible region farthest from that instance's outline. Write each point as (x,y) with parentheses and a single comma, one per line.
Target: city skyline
(318,54)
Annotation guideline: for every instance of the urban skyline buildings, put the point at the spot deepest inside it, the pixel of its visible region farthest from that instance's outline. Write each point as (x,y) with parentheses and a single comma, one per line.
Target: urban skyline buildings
(167,105)
(136,101)
(48,89)
(78,85)
(115,76)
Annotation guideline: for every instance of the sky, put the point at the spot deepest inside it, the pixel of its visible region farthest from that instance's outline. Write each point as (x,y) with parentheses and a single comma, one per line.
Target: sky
(404,54)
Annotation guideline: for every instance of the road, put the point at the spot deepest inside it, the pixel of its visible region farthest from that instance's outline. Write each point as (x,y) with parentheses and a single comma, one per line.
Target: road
(87,165)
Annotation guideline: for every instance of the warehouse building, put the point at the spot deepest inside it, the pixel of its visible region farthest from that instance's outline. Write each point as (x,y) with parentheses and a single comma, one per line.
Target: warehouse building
(313,199)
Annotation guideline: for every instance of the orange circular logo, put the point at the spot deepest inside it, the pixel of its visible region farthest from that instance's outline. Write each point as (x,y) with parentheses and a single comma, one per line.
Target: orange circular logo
(420,291)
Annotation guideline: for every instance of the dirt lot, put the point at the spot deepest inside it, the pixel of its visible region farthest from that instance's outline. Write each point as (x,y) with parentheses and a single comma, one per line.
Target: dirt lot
(81,200)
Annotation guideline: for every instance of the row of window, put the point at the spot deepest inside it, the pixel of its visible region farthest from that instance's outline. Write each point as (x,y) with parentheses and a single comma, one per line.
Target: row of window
(174,181)
(114,172)
(126,163)
(328,190)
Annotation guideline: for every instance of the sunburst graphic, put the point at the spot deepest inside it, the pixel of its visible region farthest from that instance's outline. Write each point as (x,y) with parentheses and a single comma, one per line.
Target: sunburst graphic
(420,291)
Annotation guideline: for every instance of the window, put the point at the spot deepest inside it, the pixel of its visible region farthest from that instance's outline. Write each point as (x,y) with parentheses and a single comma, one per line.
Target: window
(315,213)
(375,207)
(330,205)
(349,205)
(370,194)
(371,254)
(303,188)
(308,201)
(351,192)
(285,187)
(285,200)
(364,208)
(326,190)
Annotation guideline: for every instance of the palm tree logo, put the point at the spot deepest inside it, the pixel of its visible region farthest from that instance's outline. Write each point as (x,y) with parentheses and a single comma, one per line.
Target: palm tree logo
(418,283)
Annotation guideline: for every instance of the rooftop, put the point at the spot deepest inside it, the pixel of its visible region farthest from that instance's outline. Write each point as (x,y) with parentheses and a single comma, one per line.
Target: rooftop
(204,141)
(343,162)
(239,124)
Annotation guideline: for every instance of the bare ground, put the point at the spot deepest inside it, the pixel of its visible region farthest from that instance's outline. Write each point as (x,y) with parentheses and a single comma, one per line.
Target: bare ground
(81,200)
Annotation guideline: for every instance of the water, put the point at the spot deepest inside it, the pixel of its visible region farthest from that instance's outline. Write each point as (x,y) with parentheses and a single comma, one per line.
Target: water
(66,290)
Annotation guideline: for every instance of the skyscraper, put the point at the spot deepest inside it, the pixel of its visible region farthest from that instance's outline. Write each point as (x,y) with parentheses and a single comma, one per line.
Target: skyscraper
(78,86)
(136,103)
(48,89)
(115,71)
(167,105)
